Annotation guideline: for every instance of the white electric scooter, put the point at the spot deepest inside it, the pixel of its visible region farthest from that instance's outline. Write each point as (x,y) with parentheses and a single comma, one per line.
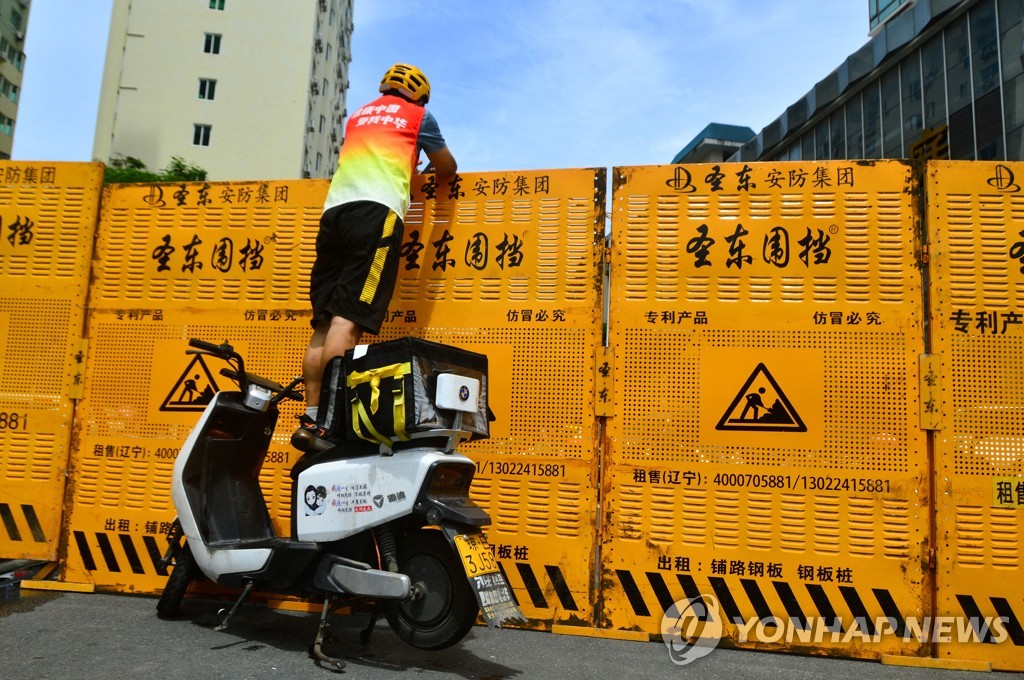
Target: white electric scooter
(397,528)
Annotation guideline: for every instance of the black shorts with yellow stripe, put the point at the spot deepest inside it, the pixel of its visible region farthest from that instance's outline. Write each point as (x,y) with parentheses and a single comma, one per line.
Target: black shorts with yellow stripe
(356,264)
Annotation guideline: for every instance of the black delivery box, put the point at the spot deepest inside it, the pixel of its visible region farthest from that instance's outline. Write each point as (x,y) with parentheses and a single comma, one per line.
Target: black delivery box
(388,392)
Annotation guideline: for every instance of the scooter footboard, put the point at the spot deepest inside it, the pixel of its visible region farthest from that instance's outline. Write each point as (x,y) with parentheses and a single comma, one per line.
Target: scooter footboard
(497,603)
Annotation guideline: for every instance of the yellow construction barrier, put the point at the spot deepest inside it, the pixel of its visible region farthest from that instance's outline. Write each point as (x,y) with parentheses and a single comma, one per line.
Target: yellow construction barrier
(501,263)
(47,218)
(764,461)
(805,428)
(512,269)
(217,261)
(975,385)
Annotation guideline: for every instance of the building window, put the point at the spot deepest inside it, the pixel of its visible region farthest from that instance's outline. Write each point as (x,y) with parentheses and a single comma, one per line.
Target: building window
(11,53)
(961,135)
(892,122)
(207,88)
(6,125)
(1010,32)
(837,128)
(212,43)
(872,121)
(854,129)
(1015,144)
(913,111)
(984,48)
(988,126)
(806,146)
(958,66)
(217,4)
(1013,98)
(821,141)
(880,10)
(934,73)
(201,135)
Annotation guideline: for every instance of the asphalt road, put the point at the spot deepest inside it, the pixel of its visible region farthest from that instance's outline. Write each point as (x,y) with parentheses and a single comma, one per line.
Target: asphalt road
(85,636)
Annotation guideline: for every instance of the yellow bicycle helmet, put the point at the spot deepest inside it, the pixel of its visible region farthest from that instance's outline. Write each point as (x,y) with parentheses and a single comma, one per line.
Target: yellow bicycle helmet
(408,80)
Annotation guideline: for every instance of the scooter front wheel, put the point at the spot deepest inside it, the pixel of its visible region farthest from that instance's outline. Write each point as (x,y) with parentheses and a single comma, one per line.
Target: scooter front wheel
(447,608)
(185,571)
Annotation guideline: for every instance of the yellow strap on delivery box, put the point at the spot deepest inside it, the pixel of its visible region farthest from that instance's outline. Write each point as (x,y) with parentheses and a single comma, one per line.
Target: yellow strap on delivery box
(361,419)
(374,376)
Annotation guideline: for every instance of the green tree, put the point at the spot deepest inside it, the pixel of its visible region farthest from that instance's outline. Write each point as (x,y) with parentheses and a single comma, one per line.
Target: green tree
(180,170)
(127,169)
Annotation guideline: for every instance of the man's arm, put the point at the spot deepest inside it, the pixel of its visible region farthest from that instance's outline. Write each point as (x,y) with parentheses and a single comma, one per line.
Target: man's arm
(430,140)
(443,163)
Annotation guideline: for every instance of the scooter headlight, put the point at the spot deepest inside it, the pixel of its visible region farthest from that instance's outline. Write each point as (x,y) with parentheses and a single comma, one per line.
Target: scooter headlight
(450,481)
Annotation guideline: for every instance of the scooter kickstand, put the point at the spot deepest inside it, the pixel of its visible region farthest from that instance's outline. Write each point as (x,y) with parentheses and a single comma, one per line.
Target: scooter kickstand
(223,625)
(316,650)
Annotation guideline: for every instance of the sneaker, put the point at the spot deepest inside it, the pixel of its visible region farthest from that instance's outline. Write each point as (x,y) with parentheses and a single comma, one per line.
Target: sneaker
(310,437)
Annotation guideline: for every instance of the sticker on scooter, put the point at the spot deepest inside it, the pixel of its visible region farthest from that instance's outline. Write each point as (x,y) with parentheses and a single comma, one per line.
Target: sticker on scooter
(194,389)
(315,498)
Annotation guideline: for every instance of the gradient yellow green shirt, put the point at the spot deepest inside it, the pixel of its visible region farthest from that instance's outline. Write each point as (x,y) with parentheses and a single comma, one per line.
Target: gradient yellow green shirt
(379,155)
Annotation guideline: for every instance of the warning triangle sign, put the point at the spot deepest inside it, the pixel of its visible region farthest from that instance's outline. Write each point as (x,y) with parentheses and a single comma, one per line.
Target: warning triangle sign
(761,406)
(194,389)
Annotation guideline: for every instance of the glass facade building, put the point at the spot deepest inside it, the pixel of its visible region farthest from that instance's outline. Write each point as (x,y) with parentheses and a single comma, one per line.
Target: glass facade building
(941,79)
(880,10)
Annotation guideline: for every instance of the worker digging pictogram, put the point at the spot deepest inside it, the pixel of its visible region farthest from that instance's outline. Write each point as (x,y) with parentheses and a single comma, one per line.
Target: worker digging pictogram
(193,390)
(761,406)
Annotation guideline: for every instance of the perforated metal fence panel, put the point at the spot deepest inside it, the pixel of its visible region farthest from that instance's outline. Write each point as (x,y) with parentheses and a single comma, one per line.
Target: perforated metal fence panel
(501,263)
(764,457)
(48,216)
(217,261)
(512,269)
(976,235)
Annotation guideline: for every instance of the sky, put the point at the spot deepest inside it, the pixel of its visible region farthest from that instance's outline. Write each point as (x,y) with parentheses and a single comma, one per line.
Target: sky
(516,84)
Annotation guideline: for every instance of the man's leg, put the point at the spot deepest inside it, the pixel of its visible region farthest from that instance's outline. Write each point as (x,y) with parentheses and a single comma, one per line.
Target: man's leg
(330,339)
(312,362)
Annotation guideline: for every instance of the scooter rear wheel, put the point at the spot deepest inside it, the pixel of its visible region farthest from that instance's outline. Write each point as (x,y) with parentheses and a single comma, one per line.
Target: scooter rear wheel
(185,571)
(447,609)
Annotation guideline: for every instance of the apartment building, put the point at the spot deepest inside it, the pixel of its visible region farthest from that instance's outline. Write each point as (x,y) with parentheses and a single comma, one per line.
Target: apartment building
(246,89)
(13,24)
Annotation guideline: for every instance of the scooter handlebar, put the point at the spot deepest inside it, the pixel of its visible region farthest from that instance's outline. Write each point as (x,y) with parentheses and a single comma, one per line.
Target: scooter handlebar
(223,350)
(276,388)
